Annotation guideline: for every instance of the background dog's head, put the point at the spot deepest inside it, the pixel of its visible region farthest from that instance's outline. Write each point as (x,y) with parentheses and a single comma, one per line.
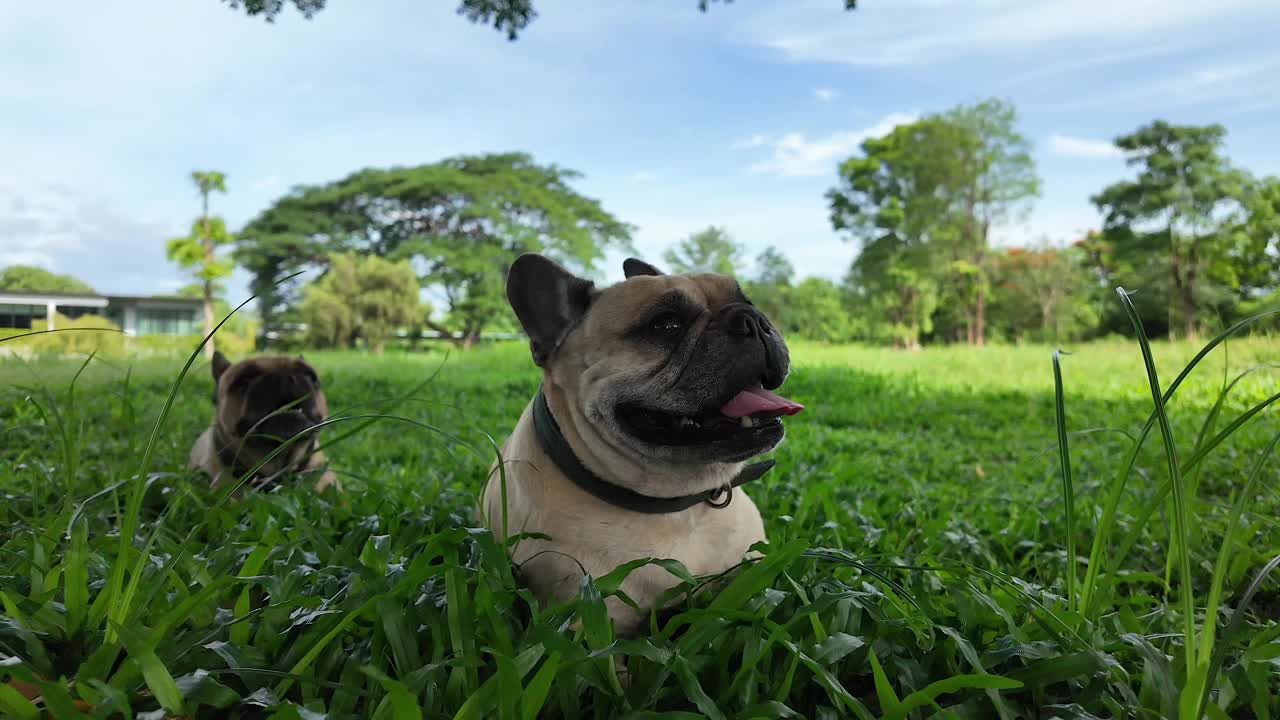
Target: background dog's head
(676,369)
(261,402)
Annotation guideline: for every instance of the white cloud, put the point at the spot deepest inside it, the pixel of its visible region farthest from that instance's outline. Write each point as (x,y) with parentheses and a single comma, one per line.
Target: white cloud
(1219,85)
(68,231)
(794,155)
(825,95)
(913,32)
(1083,147)
(26,257)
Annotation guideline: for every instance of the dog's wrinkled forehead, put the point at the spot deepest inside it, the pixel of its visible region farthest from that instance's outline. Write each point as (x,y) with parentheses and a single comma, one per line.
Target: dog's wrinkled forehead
(240,375)
(620,306)
(235,382)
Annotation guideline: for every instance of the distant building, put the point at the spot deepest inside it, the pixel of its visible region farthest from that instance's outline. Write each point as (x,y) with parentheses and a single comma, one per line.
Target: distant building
(136,315)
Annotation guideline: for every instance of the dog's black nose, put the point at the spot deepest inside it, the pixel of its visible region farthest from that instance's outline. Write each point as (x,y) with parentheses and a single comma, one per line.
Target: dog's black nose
(745,321)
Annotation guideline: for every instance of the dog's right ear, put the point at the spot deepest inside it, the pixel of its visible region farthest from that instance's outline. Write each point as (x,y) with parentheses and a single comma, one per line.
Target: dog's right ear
(219,365)
(632,267)
(548,300)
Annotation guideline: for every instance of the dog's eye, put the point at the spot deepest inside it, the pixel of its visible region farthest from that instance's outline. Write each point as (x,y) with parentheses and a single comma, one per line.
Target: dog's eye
(667,323)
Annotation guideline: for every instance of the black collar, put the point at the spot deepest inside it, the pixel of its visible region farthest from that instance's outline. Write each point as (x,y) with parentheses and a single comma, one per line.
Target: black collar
(557,448)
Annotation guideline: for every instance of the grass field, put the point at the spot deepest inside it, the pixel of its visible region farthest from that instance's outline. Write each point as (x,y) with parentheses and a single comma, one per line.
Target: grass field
(918,566)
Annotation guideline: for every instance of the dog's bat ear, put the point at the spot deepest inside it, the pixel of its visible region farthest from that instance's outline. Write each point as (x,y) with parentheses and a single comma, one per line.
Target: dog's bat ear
(632,267)
(219,365)
(548,300)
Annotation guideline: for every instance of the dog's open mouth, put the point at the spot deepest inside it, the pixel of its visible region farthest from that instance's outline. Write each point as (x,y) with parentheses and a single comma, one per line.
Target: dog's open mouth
(754,411)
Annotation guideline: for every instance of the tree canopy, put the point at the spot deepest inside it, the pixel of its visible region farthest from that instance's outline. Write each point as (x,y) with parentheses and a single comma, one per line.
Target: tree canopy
(197,251)
(506,16)
(1187,210)
(459,222)
(360,296)
(921,201)
(28,278)
(710,250)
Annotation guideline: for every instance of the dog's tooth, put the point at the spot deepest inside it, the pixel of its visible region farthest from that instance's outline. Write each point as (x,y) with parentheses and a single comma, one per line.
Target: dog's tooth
(687,422)
(745,421)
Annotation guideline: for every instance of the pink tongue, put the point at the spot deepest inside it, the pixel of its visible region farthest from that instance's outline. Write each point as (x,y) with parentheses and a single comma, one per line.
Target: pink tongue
(759,400)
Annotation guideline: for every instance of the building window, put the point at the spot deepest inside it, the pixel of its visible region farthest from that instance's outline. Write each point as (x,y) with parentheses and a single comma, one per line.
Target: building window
(155,321)
(71,312)
(20,316)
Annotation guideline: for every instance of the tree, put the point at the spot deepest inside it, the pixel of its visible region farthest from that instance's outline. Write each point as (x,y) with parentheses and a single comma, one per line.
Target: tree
(366,297)
(460,222)
(888,201)
(816,311)
(1185,208)
(711,250)
(922,201)
(773,268)
(996,182)
(506,16)
(28,278)
(1042,293)
(197,251)
(769,288)
(1254,266)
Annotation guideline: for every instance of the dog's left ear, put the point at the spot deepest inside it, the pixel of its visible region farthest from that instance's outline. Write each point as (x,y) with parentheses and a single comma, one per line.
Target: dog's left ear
(548,300)
(632,267)
(219,365)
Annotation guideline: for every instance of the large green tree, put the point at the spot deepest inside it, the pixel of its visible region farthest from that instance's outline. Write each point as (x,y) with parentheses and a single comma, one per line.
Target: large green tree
(1187,209)
(922,201)
(361,296)
(28,278)
(506,16)
(891,201)
(711,250)
(991,179)
(460,222)
(197,251)
(770,284)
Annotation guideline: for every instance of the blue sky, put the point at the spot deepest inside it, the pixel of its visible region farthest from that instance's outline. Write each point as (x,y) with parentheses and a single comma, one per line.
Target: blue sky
(677,119)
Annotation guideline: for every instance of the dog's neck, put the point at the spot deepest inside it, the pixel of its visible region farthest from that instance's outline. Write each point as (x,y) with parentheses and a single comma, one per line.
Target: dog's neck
(554,438)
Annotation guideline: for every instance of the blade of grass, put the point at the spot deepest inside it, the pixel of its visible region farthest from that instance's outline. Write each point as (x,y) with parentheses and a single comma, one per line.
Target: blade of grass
(1186,591)
(1102,535)
(1068,491)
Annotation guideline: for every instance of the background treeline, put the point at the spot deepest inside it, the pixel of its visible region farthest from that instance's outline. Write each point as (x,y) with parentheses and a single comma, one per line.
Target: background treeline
(1196,236)
(403,251)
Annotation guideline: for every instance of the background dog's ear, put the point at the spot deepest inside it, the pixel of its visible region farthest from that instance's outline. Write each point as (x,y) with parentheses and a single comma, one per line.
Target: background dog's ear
(548,301)
(220,364)
(632,267)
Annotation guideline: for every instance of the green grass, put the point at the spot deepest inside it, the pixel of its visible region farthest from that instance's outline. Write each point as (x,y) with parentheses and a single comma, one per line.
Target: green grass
(917,566)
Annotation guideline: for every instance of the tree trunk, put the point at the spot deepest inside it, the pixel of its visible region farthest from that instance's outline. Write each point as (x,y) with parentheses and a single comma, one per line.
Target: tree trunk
(1175,282)
(1190,328)
(378,347)
(469,340)
(208,316)
(1190,321)
(208,283)
(980,318)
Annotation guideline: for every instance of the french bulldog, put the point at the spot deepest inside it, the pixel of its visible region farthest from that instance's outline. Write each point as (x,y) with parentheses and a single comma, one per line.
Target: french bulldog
(259,403)
(655,392)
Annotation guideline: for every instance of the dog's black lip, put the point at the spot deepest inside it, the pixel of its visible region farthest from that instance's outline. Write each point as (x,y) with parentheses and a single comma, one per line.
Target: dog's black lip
(710,408)
(726,434)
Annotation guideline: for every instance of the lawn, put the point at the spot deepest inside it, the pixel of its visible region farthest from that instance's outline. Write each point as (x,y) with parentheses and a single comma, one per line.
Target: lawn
(918,563)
